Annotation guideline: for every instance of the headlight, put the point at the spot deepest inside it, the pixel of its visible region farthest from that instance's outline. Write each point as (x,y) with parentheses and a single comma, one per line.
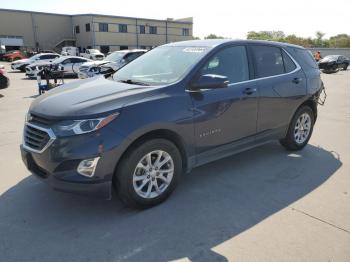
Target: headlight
(77,127)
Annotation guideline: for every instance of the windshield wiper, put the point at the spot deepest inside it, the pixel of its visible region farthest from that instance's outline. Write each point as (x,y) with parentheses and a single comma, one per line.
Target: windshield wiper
(132,82)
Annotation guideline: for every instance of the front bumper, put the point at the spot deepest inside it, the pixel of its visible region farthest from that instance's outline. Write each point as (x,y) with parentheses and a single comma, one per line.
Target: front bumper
(57,165)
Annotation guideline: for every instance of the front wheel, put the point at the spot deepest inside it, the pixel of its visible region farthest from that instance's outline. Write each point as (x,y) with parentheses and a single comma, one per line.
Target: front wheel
(300,129)
(345,67)
(148,173)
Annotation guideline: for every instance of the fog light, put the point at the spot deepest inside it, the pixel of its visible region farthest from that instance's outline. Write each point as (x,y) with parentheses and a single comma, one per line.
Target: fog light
(87,167)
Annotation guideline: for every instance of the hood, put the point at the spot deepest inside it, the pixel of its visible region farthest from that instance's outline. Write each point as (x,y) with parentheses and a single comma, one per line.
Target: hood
(88,98)
(26,60)
(328,59)
(94,63)
(38,63)
(114,65)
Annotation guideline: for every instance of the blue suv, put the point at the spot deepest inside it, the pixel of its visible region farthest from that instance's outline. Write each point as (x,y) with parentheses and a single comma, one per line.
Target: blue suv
(179,106)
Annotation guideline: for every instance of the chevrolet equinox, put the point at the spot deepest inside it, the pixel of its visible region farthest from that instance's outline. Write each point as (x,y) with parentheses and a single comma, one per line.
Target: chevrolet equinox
(178,106)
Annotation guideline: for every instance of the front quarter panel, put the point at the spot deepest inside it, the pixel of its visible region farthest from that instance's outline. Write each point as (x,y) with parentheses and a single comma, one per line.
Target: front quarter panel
(169,108)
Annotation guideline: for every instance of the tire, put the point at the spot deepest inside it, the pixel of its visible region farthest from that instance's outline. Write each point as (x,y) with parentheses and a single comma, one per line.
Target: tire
(132,174)
(291,141)
(345,67)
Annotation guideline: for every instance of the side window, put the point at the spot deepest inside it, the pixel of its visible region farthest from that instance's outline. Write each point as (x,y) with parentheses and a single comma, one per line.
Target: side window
(75,60)
(288,62)
(43,57)
(268,61)
(67,61)
(131,56)
(230,62)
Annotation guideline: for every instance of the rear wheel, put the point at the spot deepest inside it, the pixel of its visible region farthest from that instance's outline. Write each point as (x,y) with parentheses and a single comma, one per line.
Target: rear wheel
(300,129)
(345,67)
(148,173)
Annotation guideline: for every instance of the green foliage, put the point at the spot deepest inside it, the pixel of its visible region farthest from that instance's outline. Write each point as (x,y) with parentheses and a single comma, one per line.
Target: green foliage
(341,40)
(213,36)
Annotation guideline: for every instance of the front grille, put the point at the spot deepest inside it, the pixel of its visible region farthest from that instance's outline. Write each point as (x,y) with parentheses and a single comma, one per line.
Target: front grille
(35,138)
(27,69)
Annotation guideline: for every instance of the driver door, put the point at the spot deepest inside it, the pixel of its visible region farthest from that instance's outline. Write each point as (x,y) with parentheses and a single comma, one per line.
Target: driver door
(225,115)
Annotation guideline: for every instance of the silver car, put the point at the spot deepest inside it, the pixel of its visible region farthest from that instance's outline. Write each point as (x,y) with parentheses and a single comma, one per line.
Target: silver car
(112,62)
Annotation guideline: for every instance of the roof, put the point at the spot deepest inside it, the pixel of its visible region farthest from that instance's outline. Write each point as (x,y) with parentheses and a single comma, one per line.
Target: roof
(92,14)
(215,42)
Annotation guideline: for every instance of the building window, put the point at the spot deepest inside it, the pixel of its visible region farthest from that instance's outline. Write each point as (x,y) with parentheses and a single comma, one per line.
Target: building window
(185,31)
(103,27)
(77,29)
(153,30)
(123,47)
(142,29)
(123,28)
(87,27)
(104,49)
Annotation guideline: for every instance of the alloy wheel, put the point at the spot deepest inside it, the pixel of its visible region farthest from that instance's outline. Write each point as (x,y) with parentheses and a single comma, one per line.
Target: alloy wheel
(153,174)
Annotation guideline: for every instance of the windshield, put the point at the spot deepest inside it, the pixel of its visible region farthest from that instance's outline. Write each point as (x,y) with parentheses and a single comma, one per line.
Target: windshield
(93,51)
(115,57)
(162,65)
(60,59)
(34,57)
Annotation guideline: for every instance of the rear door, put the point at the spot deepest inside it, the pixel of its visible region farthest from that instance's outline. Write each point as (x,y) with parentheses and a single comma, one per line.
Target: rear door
(282,88)
(228,114)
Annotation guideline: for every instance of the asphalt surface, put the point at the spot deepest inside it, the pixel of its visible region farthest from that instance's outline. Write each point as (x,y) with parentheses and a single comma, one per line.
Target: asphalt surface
(265,204)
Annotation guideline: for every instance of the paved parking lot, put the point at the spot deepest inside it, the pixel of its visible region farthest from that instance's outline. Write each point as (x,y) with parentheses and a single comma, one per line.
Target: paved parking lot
(262,205)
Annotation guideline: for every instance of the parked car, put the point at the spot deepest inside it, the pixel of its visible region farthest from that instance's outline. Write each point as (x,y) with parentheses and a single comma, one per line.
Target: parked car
(21,64)
(333,63)
(111,63)
(93,54)
(4,80)
(69,64)
(70,50)
(177,107)
(13,56)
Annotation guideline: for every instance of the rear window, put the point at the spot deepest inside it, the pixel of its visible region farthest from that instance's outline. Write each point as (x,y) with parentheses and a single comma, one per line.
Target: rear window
(304,58)
(268,61)
(289,65)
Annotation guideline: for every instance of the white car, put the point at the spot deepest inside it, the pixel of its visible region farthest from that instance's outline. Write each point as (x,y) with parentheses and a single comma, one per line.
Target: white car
(112,62)
(68,64)
(43,57)
(93,54)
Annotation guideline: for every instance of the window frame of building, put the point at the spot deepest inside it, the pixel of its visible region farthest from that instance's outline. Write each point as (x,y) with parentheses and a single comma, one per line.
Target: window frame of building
(153,30)
(185,32)
(77,29)
(103,27)
(142,29)
(123,28)
(87,27)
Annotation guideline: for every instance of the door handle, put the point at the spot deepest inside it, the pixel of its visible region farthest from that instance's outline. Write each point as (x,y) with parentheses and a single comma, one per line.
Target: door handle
(296,80)
(249,91)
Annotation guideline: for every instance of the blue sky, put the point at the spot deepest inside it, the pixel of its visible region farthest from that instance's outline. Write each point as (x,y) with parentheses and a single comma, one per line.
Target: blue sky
(230,18)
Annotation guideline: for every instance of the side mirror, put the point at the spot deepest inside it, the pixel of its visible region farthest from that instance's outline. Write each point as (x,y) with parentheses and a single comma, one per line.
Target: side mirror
(210,81)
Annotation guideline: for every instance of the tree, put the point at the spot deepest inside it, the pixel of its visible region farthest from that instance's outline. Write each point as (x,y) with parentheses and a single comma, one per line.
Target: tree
(341,40)
(213,36)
